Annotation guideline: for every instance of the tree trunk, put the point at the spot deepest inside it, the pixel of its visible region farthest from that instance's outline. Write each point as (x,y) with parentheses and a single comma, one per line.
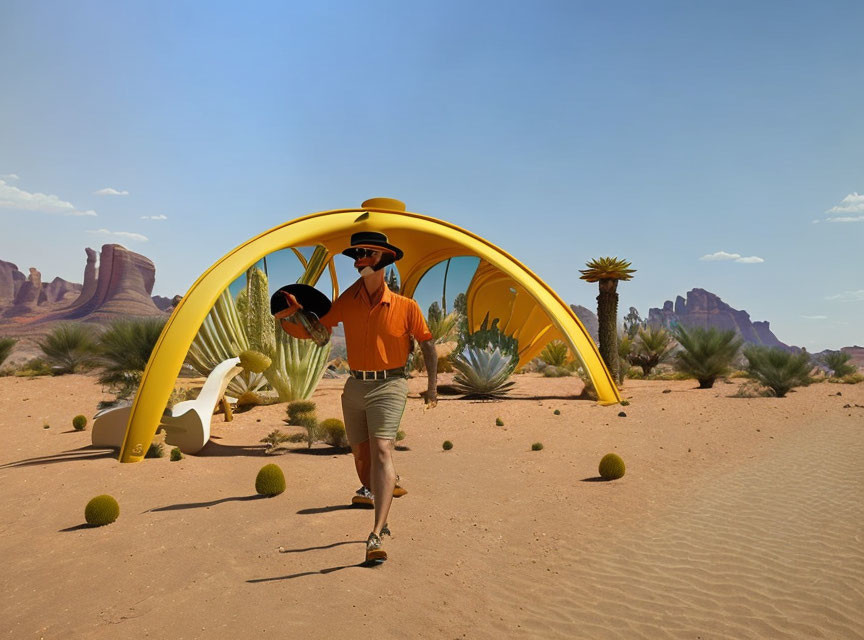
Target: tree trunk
(607,319)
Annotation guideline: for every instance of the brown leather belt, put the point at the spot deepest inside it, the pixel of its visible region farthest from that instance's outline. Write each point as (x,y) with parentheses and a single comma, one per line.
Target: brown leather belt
(381,374)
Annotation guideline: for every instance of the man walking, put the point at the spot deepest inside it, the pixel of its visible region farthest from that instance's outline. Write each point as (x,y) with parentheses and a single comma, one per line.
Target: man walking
(379,327)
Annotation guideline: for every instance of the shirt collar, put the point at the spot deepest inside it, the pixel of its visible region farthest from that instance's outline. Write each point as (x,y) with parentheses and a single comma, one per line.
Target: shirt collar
(386,297)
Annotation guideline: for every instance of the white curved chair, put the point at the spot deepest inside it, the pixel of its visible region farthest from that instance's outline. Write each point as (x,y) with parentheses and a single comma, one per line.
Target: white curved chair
(187,426)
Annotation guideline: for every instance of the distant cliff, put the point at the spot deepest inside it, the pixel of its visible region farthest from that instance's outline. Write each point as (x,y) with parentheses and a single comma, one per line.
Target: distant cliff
(705,309)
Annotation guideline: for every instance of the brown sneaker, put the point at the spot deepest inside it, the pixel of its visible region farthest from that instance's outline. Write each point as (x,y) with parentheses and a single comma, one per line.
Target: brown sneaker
(398,491)
(375,549)
(363,496)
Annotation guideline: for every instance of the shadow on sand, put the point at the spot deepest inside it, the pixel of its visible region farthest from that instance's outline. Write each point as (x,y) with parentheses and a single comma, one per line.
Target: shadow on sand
(362,565)
(215,450)
(210,503)
(325,546)
(335,507)
(595,479)
(82,453)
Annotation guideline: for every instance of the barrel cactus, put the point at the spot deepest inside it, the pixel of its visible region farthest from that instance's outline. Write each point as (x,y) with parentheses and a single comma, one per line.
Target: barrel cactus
(270,480)
(254,361)
(332,430)
(101,510)
(79,422)
(611,467)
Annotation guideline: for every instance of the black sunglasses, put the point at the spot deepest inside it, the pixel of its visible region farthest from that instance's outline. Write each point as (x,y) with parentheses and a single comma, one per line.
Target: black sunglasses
(365,253)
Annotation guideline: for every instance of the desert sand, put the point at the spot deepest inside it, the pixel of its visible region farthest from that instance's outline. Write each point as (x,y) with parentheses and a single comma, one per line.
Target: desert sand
(737,518)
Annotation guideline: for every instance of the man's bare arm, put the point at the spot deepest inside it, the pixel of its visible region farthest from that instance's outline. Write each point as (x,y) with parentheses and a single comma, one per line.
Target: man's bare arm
(430,359)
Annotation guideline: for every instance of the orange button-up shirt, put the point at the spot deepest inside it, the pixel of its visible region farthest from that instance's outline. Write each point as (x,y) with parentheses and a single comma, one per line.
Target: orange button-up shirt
(377,336)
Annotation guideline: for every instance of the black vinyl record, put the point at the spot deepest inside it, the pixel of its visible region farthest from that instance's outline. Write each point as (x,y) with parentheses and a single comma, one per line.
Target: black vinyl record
(309,298)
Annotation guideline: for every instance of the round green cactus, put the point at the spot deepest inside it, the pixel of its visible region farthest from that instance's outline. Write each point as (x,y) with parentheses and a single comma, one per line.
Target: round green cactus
(537,446)
(447,445)
(79,422)
(270,480)
(254,361)
(611,467)
(101,510)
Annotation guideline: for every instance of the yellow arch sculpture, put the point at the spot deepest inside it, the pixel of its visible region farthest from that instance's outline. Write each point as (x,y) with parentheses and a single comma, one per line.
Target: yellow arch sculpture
(502,285)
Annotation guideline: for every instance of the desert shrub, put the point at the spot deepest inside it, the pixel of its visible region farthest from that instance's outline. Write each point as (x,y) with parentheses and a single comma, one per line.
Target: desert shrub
(254,361)
(838,362)
(6,345)
(552,371)
(671,375)
(69,348)
(101,510)
(852,378)
(611,467)
(276,438)
(634,373)
(270,480)
(79,422)
(652,346)
(738,373)
(557,412)
(299,407)
(308,421)
(537,446)
(176,454)
(296,437)
(124,349)
(554,353)
(33,367)
(752,389)
(447,445)
(332,431)
(499,422)
(777,369)
(482,372)
(156,450)
(706,354)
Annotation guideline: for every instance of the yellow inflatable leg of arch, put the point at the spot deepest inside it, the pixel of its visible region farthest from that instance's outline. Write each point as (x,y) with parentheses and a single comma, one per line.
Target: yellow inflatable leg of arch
(424,240)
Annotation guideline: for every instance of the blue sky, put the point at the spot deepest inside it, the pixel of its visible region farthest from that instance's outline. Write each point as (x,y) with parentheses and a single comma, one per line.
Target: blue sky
(661,132)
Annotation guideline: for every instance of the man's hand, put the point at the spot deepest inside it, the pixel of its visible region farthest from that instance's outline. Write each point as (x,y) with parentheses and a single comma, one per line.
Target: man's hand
(430,399)
(292,308)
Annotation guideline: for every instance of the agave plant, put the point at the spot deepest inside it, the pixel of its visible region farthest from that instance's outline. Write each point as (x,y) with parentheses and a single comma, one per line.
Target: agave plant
(483,372)
(653,345)
(222,336)
(6,345)
(836,361)
(69,348)
(706,353)
(124,349)
(777,369)
(296,365)
(554,353)
(607,272)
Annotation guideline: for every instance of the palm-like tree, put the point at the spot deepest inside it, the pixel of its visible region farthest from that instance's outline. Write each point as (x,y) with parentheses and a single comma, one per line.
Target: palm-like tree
(653,346)
(706,353)
(607,272)
(779,370)
(837,361)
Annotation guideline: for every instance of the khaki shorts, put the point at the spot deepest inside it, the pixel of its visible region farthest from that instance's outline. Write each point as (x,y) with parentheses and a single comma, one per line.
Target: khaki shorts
(373,408)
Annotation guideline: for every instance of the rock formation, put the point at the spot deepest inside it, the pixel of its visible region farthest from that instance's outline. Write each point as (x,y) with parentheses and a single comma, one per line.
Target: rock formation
(588,319)
(27,298)
(705,309)
(10,282)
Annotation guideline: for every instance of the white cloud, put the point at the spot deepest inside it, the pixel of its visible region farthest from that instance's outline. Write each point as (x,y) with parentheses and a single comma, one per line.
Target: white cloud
(108,191)
(726,256)
(848,296)
(15,198)
(159,217)
(846,219)
(9,176)
(119,234)
(815,317)
(853,203)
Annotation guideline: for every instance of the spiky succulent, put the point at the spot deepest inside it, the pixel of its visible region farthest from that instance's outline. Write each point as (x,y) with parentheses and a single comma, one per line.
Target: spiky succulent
(777,369)
(706,354)
(837,361)
(69,348)
(607,269)
(483,372)
(555,353)
(653,345)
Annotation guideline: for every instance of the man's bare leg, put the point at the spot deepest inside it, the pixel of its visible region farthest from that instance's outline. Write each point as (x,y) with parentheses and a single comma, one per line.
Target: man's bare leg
(363,463)
(383,480)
